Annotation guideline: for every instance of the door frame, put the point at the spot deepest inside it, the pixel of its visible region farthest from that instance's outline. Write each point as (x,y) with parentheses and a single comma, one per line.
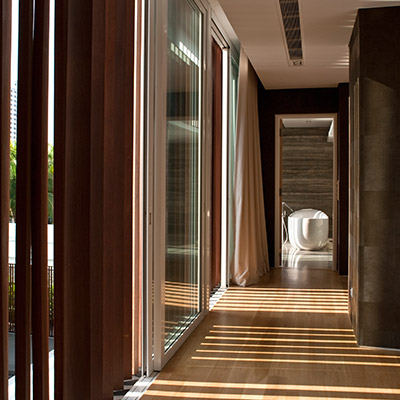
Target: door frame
(278,177)
(219,38)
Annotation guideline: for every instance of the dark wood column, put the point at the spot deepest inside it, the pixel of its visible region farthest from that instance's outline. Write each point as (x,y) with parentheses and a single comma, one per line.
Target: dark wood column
(94,49)
(5,44)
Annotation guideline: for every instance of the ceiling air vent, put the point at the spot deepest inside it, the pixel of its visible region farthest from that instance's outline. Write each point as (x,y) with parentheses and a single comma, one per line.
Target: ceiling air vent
(291,26)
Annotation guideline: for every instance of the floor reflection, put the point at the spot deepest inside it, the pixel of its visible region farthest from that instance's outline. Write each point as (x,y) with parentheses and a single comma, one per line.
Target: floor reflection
(327,301)
(295,258)
(181,307)
(234,391)
(288,337)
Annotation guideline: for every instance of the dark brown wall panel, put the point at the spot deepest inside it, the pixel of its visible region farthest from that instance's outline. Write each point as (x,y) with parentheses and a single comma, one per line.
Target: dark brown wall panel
(5,47)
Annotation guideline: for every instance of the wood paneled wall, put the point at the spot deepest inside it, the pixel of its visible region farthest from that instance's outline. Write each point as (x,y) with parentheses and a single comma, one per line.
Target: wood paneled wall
(5,47)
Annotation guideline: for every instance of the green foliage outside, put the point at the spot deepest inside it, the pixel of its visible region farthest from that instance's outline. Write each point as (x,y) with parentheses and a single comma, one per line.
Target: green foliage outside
(11,297)
(13,182)
(50,207)
(50,184)
(13,179)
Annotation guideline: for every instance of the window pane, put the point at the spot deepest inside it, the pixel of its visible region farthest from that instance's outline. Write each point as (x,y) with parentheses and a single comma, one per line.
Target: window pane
(232,143)
(182,168)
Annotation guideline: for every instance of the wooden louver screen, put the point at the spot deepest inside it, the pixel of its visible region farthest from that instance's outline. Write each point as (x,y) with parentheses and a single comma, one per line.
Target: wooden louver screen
(93,204)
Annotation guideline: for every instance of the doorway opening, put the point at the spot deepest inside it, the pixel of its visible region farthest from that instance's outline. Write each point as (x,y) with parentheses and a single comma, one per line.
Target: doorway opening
(306,191)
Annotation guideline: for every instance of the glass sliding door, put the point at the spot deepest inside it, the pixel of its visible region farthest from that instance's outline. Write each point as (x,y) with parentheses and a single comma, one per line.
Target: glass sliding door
(183,183)
(177,173)
(183,179)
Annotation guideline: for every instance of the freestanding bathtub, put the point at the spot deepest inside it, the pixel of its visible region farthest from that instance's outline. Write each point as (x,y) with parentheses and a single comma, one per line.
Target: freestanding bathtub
(308,229)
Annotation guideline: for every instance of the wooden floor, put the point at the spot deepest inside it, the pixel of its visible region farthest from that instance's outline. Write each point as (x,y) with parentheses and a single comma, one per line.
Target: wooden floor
(288,337)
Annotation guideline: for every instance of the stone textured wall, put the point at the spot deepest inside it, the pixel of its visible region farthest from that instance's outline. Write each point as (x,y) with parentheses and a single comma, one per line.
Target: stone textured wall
(307,169)
(375,178)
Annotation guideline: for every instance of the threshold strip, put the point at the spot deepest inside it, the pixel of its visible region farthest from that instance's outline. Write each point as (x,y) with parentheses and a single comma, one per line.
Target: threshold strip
(140,387)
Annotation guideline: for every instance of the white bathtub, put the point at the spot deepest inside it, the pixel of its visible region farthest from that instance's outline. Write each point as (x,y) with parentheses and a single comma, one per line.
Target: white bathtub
(308,229)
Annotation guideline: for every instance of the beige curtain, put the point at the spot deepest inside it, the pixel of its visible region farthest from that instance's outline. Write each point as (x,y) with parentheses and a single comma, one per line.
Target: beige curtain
(250,257)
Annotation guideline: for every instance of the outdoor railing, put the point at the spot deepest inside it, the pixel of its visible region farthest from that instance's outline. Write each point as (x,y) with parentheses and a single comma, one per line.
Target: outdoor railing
(11,298)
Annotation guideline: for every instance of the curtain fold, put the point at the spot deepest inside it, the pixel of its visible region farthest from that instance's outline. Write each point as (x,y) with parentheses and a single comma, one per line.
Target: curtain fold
(250,258)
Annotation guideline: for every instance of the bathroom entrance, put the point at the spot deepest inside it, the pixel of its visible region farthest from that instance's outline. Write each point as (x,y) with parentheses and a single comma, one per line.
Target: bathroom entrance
(305,229)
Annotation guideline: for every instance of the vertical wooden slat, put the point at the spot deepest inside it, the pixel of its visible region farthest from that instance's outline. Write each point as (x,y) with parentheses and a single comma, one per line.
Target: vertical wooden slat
(23,207)
(127,150)
(40,313)
(72,141)
(117,115)
(90,195)
(73,59)
(5,44)
(101,272)
(60,90)
(118,171)
(32,201)
(113,183)
(137,199)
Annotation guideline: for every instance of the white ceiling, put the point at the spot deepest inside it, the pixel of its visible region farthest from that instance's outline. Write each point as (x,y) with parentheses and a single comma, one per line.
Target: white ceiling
(326,29)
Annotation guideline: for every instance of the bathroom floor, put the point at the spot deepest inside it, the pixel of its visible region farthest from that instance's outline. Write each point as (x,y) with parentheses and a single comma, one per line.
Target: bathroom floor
(295,258)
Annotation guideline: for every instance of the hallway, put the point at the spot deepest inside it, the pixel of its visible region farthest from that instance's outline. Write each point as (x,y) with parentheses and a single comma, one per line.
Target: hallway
(288,337)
